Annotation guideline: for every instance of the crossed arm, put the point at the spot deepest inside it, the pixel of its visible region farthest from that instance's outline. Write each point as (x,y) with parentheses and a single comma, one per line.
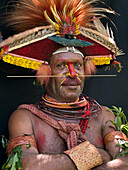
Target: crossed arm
(20,123)
(121,161)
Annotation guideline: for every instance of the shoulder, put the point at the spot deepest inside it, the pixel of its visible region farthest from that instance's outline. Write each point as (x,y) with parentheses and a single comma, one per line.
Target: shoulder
(23,113)
(20,123)
(107,118)
(20,114)
(107,113)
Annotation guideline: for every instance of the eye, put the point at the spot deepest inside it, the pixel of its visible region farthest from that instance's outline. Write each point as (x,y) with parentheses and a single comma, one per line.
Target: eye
(60,66)
(78,65)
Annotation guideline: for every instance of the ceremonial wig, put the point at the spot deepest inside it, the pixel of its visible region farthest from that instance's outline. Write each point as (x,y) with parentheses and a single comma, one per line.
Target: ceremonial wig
(45,26)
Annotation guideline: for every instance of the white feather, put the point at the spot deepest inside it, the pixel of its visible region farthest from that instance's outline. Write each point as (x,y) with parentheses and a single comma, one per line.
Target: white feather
(100,27)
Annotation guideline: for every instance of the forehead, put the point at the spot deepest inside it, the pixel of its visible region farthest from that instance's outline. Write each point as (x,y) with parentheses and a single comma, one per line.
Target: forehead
(67,57)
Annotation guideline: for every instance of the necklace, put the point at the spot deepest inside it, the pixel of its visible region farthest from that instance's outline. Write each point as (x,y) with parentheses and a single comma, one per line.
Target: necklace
(81,110)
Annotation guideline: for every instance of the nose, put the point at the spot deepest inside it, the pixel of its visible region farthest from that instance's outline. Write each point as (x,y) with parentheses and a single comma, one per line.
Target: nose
(71,69)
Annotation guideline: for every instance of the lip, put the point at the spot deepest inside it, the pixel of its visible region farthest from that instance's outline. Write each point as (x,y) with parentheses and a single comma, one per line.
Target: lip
(71,84)
(72,87)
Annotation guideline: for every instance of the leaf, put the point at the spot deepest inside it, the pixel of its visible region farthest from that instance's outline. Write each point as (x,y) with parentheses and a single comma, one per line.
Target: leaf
(126,124)
(17,149)
(120,154)
(126,144)
(109,121)
(14,162)
(121,124)
(118,144)
(122,142)
(14,159)
(124,119)
(28,145)
(118,122)
(4,142)
(114,123)
(124,129)
(21,155)
(115,108)
(10,162)
(107,68)
(19,166)
(120,109)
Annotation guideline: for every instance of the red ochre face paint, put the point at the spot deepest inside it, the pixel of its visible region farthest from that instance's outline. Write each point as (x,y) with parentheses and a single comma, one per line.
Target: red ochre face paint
(99,140)
(40,137)
(71,70)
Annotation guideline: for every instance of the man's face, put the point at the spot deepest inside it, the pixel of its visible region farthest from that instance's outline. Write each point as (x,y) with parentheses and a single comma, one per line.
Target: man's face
(69,84)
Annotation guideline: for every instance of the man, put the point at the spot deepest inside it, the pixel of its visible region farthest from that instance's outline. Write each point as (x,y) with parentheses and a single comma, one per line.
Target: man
(49,143)
(65,129)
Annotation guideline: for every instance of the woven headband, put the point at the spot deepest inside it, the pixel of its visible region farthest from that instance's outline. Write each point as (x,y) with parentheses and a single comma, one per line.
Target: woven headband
(68,49)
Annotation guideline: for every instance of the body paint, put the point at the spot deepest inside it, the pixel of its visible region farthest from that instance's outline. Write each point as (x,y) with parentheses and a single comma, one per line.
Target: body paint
(40,136)
(72,74)
(71,70)
(62,83)
(99,140)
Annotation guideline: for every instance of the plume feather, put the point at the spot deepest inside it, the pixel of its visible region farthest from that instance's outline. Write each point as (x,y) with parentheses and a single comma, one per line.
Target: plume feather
(100,27)
(48,18)
(31,13)
(112,35)
(56,16)
(108,32)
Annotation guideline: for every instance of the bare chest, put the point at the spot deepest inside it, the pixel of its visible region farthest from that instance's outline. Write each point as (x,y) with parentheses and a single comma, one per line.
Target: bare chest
(49,141)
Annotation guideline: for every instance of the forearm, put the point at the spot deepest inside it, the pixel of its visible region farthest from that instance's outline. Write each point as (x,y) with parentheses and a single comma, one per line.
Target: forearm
(105,155)
(80,155)
(47,162)
(116,164)
(121,161)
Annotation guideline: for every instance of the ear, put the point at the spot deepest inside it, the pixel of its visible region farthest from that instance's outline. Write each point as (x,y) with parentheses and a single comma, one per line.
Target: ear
(89,66)
(44,72)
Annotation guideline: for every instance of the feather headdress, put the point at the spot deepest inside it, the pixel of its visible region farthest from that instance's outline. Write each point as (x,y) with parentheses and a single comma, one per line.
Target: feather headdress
(31,13)
(49,25)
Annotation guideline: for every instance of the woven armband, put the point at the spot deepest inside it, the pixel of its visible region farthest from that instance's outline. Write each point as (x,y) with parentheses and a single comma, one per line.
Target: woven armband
(85,156)
(114,135)
(20,140)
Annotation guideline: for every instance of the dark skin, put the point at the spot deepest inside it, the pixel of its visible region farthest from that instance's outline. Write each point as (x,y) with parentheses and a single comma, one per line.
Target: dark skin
(49,155)
(58,64)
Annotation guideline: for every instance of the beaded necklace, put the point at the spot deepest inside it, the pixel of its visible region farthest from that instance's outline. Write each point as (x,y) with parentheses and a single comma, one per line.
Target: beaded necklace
(82,109)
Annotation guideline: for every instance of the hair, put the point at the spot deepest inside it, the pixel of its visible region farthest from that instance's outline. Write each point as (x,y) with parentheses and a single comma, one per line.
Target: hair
(43,74)
(89,66)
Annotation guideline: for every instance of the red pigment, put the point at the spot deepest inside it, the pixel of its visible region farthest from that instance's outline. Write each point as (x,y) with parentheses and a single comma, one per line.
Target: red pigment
(100,140)
(71,69)
(65,59)
(40,137)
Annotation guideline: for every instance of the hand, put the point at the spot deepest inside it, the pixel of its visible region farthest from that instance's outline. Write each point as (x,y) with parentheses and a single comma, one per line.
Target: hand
(105,155)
